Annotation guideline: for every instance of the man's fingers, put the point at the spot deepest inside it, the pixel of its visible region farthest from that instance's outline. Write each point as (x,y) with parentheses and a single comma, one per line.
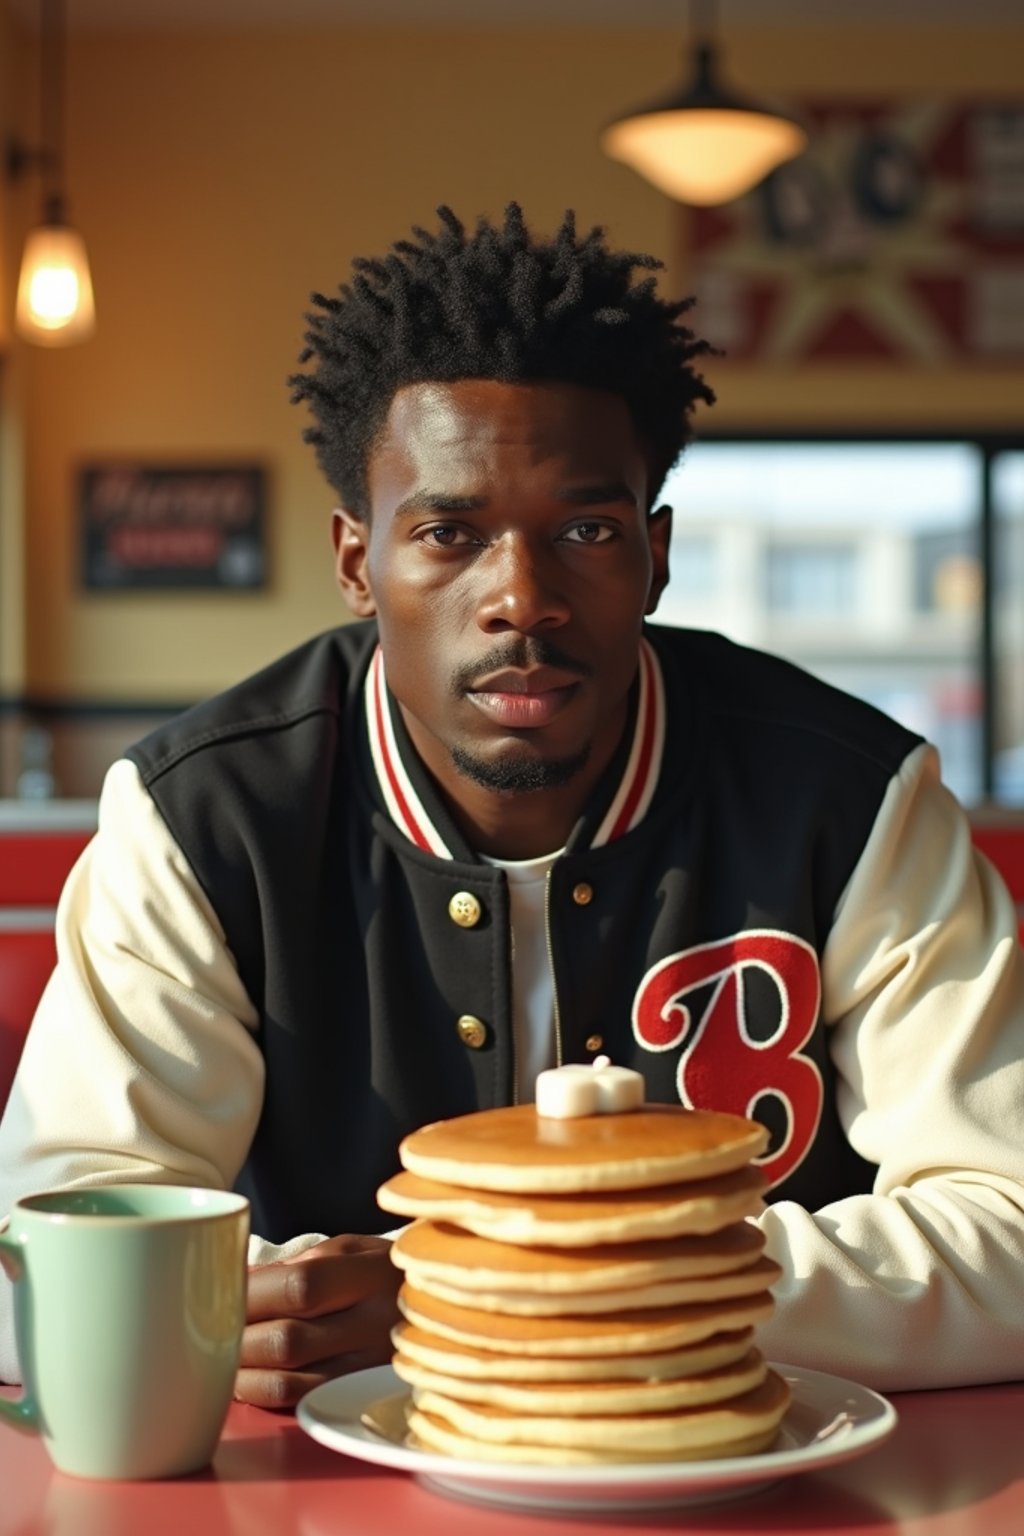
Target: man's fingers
(290,1344)
(282,1389)
(267,1388)
(319,1282)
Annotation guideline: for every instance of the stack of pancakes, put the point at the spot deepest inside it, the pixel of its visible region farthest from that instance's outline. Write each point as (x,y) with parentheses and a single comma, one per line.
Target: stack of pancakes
(584,1290)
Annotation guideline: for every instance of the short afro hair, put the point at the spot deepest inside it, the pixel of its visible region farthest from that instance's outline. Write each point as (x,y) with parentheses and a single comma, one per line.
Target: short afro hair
(495,304)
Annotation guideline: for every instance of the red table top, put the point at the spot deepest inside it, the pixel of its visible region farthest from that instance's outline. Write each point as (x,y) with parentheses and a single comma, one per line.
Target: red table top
(953,1467)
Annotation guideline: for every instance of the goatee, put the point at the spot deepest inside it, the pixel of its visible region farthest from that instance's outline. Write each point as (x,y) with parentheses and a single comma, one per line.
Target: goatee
(519,775)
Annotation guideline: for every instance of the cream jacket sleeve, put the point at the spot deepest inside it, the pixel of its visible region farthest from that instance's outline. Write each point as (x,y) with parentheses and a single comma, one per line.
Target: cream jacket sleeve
(920,1283)
(146,1002)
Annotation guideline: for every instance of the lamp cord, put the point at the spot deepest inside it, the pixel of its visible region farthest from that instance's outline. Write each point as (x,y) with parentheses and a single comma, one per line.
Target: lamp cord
(703,20)
(52,106)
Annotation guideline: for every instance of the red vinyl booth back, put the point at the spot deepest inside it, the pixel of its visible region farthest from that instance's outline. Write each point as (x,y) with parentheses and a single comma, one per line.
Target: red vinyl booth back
(34,863)
(1003,843)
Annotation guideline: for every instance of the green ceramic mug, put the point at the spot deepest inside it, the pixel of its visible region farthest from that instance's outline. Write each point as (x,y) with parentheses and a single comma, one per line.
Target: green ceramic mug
(129,1304)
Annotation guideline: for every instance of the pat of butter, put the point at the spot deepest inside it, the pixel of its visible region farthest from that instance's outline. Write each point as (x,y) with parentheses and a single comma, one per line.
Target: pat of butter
(569,1092)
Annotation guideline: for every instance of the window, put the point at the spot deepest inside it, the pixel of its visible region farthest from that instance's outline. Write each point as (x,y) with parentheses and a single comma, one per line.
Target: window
(816,580)
(1008,626)
(695,573)
(892,568)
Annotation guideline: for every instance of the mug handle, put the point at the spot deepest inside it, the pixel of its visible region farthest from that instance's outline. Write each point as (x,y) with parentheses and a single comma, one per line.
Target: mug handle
(23,1412)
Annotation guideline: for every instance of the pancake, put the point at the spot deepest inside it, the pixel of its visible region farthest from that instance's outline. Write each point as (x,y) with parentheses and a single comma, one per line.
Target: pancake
(470,1363)
(517,1150)
(429,1250)
(434,1434)
(618,1333)
(670,1432)
(581,1220)
(743,1282)
(592,1397)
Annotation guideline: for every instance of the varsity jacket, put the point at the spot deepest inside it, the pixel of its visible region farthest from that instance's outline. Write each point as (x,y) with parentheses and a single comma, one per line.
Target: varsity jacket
(712,858)
(769,906)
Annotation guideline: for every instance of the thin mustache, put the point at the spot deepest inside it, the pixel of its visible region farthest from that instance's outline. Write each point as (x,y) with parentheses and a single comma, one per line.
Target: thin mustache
(519,653)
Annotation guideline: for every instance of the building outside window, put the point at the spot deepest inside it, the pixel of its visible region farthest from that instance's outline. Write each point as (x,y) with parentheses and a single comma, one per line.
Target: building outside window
(811,579)
(894,569)
(1008,625)
(696,573)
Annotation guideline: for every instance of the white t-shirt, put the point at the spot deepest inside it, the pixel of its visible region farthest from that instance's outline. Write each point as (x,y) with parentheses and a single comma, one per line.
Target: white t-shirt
(533,996)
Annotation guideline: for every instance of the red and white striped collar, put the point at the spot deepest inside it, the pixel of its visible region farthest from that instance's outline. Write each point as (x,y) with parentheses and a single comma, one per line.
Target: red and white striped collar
(628,806)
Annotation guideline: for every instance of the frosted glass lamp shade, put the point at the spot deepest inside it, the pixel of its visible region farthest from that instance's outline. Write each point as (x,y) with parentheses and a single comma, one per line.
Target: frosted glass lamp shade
(703,155)
(55,305)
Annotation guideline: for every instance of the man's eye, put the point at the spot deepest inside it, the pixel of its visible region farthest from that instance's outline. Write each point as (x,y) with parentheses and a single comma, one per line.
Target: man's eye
(590,533)
(445,536)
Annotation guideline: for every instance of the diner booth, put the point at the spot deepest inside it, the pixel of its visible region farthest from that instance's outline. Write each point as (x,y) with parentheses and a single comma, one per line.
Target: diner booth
(854,500)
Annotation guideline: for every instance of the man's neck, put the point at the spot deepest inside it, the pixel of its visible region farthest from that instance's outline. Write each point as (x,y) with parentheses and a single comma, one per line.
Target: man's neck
(510,825)
(514,824)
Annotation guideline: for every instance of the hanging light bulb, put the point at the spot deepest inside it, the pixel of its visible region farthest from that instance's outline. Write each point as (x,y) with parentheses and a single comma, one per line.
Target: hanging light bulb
(704,144)
(55,305)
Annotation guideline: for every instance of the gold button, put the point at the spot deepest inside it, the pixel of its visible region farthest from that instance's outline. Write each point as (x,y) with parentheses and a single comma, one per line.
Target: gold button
(595,1042)
(471,1031)
(582,894)
(464,909)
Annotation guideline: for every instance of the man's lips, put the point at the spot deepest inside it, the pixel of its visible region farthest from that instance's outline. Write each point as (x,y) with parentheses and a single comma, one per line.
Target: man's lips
(523,700)
(523,711)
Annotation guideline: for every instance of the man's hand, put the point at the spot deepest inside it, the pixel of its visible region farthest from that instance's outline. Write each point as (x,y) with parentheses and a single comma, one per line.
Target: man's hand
(321,1314)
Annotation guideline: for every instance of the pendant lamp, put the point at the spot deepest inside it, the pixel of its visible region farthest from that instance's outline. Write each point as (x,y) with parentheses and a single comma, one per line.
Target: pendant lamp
(704,144)
(55,305)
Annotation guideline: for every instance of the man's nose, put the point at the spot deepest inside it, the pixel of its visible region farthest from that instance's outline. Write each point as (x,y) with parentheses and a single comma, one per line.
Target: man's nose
(523,588)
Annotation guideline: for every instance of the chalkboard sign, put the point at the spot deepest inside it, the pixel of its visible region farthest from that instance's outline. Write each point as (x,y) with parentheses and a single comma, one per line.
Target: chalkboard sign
(172,527)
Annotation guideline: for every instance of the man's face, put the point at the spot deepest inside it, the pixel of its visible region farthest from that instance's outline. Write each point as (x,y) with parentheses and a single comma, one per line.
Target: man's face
(509,560)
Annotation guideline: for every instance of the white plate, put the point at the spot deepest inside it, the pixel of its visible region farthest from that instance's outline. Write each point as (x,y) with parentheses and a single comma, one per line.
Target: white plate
(828,1420)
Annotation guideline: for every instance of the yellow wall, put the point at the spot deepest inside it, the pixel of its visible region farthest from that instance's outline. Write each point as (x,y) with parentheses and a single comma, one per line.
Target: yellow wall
(13,114)
(218,179)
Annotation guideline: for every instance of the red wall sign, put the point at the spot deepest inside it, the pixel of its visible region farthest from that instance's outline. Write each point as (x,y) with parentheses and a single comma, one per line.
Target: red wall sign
(897,237)
(143,525)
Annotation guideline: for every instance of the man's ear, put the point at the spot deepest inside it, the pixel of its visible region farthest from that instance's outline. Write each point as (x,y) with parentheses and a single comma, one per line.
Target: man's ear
(350,535)
(659,532)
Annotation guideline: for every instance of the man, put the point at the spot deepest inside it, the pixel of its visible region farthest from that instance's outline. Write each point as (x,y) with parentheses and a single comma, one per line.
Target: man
(503,822)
